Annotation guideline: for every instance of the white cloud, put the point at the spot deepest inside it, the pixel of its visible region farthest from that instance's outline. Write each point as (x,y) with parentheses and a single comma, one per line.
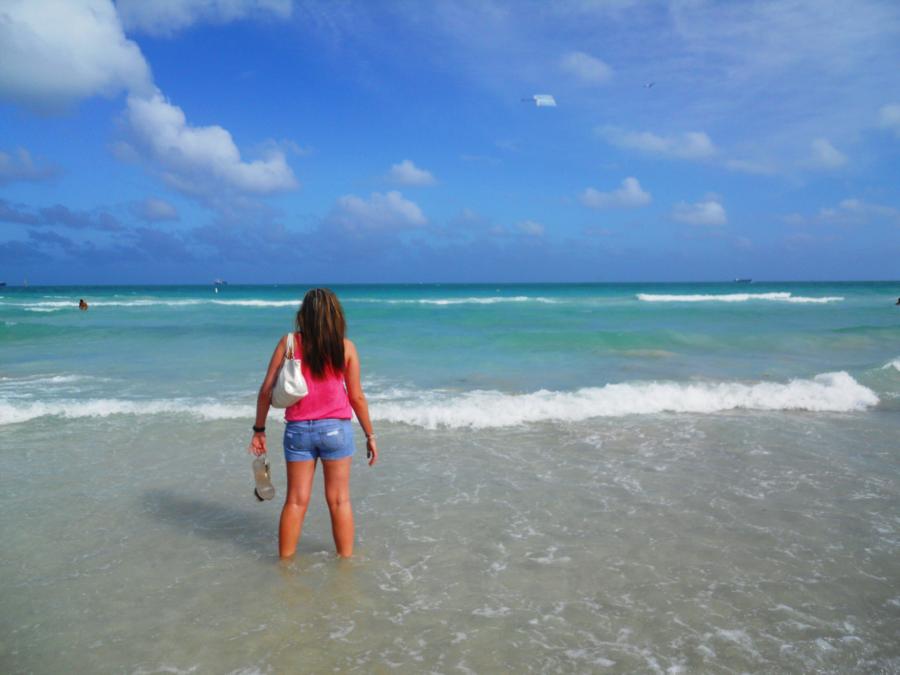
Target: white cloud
(825,155)
(165,17)
(850,211)
(863,208)
(708,212)
(155,210)
(191,156)
(889,117)
(629,195)
(687,145)
(531,228)
(589,69)
(56,52)
(21,167)
(407,173)
(389,211)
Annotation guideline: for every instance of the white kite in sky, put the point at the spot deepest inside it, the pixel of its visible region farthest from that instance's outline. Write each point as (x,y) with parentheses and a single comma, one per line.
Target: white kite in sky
(541,100)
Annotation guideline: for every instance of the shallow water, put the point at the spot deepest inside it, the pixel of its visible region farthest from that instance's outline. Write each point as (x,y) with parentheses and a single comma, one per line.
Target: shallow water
(533,538)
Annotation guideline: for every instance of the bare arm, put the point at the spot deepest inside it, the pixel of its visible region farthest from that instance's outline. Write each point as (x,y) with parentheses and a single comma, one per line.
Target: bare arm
(358,398)
(264,399)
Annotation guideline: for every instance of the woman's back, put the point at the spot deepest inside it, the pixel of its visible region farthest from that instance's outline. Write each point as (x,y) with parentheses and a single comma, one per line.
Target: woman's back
(327,397)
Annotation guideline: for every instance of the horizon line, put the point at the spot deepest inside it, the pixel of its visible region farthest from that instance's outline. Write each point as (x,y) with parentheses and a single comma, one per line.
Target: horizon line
(450,283)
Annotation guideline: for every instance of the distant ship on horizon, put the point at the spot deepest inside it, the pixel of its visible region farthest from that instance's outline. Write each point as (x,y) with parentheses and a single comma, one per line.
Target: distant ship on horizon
(741,280)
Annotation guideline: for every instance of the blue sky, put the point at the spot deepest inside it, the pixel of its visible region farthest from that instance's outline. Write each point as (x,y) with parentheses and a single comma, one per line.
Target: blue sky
(265,141)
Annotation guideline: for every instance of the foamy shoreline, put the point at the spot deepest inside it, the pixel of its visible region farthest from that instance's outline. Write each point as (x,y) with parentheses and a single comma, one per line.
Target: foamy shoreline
(481,409)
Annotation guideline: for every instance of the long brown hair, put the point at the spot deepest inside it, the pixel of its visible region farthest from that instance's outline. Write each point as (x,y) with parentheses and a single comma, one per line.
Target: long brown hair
(321,320)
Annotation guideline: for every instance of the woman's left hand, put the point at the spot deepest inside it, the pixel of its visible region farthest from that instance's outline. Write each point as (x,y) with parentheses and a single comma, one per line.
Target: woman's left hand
(258,444)
(371,450)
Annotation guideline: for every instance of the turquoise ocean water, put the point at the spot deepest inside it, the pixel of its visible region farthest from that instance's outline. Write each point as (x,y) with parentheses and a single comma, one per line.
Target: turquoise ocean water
(576,477)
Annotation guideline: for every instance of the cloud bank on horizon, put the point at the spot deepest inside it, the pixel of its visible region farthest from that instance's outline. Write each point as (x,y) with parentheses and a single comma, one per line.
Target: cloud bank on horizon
(193,139)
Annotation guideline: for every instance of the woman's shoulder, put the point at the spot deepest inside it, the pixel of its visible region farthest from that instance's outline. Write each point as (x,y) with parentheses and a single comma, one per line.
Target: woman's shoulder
(349,351)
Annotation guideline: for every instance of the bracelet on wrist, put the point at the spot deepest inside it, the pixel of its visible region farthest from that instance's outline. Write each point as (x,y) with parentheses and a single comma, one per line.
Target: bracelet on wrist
(372,435)
(259,430)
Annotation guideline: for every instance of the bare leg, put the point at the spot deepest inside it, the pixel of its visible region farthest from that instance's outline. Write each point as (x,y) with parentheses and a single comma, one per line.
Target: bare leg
(337,494)
(300,479)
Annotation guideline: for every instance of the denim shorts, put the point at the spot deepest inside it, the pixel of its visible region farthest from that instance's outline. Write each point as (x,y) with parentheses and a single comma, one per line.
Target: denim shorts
(318,439)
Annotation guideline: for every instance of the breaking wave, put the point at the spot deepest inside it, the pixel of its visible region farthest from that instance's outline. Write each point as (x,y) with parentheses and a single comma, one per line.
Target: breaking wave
(828,392)
(60,305)
(432,409)
(105,407)
(6,381)
(57,305)
(258,303)
(738,297)
(457,301)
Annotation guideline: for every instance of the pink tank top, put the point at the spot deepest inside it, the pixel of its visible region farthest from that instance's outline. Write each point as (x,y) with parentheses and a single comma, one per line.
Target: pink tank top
(327,397)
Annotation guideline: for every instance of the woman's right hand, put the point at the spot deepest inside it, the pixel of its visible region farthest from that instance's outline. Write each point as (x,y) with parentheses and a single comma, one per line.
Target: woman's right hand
(371,450)
(258,444)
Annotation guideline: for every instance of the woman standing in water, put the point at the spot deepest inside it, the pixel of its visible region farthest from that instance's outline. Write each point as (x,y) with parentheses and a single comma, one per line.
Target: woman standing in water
(318,425)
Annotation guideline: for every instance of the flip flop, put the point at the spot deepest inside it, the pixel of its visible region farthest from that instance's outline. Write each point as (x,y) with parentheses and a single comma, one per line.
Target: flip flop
(264,489)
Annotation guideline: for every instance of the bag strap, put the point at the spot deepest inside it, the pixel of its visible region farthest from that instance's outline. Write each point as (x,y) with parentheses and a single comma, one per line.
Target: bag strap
(289,346)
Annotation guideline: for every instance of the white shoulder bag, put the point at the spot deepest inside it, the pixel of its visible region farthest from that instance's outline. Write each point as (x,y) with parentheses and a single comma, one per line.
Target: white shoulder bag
(291,385)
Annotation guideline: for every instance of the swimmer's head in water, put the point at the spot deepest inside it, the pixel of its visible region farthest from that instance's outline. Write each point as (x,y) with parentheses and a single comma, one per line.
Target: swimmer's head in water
(321,320)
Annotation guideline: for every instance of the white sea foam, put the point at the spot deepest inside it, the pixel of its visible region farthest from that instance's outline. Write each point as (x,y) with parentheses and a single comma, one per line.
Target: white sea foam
(32,380)
(258,303)
(65,379)
(49,304)
(13,413)
(818,301)
(457,301)
(147,302)
(828,392)
(737,297)
(431,409)
(895,364)
(27,388)
(56,305)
